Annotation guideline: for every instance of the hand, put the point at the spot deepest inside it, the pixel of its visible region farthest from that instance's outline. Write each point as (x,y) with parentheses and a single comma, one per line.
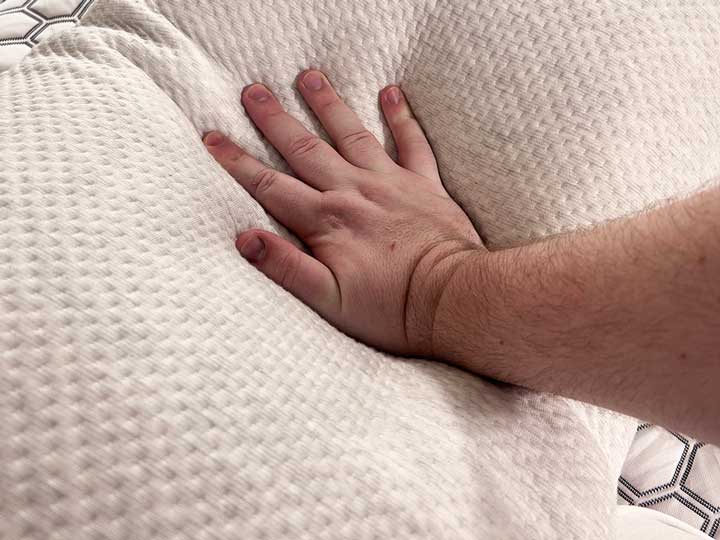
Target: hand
(383,238)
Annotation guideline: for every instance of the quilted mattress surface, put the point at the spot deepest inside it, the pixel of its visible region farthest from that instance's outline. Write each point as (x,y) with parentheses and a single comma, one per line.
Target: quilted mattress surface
(154,385)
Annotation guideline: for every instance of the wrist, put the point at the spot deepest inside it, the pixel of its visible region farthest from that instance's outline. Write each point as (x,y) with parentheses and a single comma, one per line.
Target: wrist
(477,321)
(463,307)
(428,284)
(497,312)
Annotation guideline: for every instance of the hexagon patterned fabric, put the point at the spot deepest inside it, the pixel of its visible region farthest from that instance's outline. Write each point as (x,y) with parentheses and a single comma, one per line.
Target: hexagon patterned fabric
(674,474)
(24,23)
(155,386)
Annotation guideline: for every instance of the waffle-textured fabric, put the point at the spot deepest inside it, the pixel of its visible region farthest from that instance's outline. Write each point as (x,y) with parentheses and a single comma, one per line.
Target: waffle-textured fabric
(155,385)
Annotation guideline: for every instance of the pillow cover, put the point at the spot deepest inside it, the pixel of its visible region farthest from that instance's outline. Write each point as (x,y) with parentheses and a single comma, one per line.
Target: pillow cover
(155,385)
(637,523)
(674,474)
(24,23)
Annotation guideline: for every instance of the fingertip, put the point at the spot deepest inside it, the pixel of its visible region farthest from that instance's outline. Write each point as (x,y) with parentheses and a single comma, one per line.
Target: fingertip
(305,71)
(301,74)
(391,95)
(255,93)
(311,80)
(213,139)
(251,245)
(291,268)
(244,235)
(223,149)
(240,239)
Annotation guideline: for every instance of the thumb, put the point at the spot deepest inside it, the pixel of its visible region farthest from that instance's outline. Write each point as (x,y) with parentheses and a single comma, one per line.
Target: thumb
(291,268)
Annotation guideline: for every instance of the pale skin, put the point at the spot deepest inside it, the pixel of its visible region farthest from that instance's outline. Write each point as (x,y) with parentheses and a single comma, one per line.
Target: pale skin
(622,316)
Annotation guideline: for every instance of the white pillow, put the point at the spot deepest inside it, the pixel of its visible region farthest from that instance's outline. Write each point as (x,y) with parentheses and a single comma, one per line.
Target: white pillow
(155,385)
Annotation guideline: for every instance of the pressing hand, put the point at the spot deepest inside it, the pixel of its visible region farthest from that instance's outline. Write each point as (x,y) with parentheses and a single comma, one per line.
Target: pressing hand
(383,237)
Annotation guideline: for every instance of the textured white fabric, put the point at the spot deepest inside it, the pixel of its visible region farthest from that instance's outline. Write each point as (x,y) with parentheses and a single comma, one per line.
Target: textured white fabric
(636,523)
(154,385)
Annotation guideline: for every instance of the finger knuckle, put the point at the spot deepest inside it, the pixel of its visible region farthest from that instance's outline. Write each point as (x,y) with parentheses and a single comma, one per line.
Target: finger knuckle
(375,192)
(409,127)
(235,155)
(417,146)
(304,145)
(329,107)
(263,181)
(275,115)
(337,210)
(356,139)
(406,121)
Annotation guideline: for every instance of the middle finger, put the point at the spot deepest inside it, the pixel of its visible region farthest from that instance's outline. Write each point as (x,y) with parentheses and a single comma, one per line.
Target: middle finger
(354,142)
(312,159)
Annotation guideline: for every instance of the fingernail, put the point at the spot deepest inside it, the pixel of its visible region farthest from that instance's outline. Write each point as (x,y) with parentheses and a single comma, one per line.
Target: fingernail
(313,80)
(259,93)
(253,249)
(392,96)
(214,138)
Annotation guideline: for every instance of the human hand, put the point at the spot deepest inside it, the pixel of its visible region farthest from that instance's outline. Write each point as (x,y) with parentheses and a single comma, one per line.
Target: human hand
(383,238)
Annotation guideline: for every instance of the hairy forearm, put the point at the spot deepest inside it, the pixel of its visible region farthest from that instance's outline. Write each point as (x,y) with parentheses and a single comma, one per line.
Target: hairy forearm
(626,315)
(617,316)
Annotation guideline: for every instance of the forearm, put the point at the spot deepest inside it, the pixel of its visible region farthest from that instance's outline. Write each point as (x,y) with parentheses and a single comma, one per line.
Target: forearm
(623,316)
(617,316)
